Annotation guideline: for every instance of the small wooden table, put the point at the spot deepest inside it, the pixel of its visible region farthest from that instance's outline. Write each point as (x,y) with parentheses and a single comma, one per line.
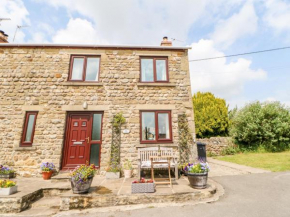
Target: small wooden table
(161,162)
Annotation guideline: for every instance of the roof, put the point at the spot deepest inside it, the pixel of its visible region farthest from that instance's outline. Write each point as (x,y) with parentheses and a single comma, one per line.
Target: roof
(96,46)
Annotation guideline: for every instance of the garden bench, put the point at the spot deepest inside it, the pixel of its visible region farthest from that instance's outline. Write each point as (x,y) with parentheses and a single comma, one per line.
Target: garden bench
(159,154)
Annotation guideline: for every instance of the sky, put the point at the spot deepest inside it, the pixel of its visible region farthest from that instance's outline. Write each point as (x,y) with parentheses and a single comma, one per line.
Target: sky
(212,28)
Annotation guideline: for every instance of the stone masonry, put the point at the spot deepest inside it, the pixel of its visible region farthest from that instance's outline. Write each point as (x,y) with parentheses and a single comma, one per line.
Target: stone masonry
(35,79)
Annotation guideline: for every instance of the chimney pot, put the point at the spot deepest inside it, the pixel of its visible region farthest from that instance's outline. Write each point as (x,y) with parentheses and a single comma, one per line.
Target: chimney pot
(3,37)
(165,42)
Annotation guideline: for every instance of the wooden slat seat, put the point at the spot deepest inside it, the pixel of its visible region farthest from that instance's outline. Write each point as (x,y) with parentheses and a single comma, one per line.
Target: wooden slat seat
(144,155)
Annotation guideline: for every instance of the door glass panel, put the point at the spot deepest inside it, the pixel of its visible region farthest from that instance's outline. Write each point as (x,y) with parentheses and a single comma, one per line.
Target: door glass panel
(92,73)
(147,70)
(161,70)
(95,154)
(76,124)
(163,126)
(148,126)
(77,70)
(84,123)
(97,124)
(29,128)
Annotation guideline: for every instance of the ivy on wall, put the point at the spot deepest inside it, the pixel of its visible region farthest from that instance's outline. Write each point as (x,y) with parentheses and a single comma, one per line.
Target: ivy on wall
(117,122)
(185,139)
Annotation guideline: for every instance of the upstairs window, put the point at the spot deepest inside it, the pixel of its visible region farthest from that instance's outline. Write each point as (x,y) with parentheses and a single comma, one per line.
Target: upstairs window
(84,68)
(28,129)
(156,127)
(154,69)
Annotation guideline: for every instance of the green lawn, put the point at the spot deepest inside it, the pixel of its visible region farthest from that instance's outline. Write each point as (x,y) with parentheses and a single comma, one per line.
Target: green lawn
(269,161)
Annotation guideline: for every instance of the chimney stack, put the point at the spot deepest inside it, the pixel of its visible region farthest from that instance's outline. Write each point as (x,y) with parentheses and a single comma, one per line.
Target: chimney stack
(3,37)
(165,42)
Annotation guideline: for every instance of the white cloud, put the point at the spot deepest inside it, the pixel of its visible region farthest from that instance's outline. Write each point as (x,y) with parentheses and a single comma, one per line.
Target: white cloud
(243,23)
(78,31)
(225,79)
(17,12)
(142,22)
(277,15)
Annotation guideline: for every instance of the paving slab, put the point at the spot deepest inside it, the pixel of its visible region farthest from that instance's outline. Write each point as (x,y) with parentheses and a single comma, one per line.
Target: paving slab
(223,168)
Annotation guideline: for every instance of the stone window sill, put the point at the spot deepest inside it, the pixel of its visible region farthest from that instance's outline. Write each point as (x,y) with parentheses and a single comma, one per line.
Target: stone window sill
(25,148)
(82,84)
(155,145)
(156,84)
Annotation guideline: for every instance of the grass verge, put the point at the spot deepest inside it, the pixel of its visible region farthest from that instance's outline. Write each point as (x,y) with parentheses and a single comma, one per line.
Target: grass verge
(268,161)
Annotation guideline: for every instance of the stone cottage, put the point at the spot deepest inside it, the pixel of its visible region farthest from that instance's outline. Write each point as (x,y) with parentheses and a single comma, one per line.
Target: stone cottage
(57,102)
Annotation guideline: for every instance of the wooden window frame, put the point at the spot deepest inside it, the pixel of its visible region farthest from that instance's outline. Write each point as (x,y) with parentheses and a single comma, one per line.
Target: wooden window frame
(157,140)
(27,114)
(154,69)
(84,68)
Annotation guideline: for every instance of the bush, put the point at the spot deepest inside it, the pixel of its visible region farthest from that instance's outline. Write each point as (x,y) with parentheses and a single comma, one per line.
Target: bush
(211,115)
(264,125)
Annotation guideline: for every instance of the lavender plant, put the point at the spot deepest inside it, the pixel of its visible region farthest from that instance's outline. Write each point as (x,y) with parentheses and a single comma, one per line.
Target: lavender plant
(5,170)
(47,167)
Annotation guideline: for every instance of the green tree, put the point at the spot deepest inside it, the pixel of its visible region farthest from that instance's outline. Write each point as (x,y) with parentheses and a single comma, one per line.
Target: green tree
(262,125)
(211,115)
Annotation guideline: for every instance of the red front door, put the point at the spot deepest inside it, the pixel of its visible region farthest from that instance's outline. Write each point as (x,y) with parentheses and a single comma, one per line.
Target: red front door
(78,143)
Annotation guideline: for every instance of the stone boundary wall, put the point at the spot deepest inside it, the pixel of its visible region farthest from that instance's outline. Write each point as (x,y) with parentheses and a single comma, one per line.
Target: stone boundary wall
(215,145)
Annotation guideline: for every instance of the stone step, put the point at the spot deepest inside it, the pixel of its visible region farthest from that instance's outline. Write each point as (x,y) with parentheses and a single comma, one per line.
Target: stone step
(61,177)
(35,212)
(47,202)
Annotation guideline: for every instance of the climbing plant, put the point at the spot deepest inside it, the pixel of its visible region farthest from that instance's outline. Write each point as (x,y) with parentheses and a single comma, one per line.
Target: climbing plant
(117,122)
(185,139)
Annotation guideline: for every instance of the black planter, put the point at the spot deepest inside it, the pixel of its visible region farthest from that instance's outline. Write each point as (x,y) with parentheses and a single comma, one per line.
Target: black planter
(81,188)
(197,180)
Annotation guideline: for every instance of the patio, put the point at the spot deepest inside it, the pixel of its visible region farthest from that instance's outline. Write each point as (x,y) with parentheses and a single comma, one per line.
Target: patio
(56,195)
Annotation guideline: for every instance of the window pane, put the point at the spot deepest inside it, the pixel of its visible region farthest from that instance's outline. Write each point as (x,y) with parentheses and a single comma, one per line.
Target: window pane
(97,122)
(77,70)
(148,126)
(29,128)
(147,70)
(92,73)
(163,126)
(95,154)
(161,70)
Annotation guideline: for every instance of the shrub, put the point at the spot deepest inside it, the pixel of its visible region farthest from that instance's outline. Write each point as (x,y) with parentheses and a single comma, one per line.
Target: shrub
(210,114)
(264,125)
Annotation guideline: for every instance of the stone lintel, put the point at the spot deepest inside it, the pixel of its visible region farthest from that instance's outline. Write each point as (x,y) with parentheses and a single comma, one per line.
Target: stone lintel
(82,84)
(80,108)
(32,108)
(155,107)
(152,53)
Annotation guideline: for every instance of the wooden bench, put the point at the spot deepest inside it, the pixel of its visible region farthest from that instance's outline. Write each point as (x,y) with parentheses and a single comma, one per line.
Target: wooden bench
(144,161)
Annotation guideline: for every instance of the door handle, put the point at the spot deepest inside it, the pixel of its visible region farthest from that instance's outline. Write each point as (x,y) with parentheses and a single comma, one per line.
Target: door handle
(88,140)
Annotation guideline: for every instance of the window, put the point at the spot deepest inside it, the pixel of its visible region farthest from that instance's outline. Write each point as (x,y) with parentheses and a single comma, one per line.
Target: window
(154,69)
(84,68)
(28,129)
(155,126)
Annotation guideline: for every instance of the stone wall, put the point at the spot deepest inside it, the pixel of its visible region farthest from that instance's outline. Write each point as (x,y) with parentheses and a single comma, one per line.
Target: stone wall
(35,79)
(215,145)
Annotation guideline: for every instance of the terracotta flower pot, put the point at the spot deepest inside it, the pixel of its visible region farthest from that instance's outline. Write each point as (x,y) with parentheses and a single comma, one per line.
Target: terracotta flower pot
(128,174)
(47,175)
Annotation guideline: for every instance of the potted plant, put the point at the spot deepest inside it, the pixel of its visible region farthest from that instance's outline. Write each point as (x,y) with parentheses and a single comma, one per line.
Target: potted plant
(7,187)
(6,172)
(113,171)
(47,170)
(197,174)
(127,169)
(143,186)
(81,178)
